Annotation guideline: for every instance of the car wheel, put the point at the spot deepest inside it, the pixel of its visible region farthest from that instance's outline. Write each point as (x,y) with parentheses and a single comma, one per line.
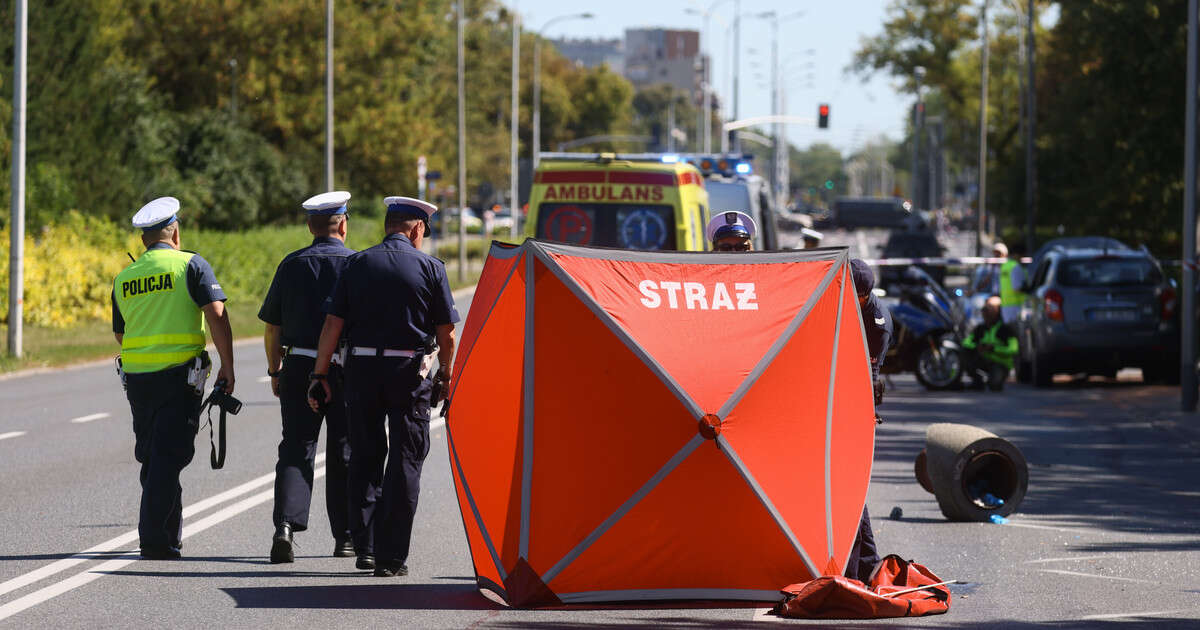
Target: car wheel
(938,370)
(1040,370)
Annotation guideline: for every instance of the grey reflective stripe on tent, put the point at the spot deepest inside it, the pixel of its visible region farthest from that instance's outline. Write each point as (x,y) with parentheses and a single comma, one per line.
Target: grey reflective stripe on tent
(527,402)
(837,331)
(487,539)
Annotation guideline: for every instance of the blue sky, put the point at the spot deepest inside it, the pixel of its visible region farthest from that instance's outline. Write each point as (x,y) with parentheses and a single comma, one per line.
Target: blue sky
(832,29)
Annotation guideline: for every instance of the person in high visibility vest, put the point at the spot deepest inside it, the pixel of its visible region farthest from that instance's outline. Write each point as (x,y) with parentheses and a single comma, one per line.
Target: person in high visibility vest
(990,349)
(1012,278)
(160,304)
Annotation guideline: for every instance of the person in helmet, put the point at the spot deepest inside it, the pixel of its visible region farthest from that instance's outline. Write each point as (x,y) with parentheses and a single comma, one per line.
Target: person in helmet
(731,232)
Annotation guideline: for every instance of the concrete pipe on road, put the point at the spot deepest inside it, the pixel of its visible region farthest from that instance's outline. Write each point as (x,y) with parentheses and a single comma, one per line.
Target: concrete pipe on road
(974,474)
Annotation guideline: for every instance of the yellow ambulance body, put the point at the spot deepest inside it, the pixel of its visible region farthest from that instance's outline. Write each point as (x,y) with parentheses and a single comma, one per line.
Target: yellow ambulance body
(644,201)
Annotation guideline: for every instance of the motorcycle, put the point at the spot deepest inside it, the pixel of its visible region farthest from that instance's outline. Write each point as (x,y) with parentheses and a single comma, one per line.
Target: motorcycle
(927,332)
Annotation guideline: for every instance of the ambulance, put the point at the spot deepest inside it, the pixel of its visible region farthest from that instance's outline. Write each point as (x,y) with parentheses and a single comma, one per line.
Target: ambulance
(644,201)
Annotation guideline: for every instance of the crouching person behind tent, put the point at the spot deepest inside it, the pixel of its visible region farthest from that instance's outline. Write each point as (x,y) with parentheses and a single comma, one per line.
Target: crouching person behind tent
(877,323)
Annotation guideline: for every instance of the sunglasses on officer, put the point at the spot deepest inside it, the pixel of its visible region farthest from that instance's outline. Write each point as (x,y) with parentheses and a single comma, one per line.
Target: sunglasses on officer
(743,246)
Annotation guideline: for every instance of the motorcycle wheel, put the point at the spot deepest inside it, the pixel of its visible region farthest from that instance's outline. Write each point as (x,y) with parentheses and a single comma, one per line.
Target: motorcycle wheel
(940,370)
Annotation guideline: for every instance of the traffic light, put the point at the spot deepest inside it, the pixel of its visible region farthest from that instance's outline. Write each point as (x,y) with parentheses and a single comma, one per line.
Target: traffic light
(823,116)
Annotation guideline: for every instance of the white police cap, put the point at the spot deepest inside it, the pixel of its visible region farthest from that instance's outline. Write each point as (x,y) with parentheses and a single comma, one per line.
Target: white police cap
(157,214)
(811,233)
(335,202)
(407,205)
(730,224)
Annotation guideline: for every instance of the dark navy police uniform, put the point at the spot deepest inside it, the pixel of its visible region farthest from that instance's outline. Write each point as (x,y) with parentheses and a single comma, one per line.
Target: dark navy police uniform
(295,301)
(392,297)
(877,324)
(166,416)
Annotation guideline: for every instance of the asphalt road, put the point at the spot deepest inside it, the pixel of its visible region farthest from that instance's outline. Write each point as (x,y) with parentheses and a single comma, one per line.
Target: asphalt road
(1109,532)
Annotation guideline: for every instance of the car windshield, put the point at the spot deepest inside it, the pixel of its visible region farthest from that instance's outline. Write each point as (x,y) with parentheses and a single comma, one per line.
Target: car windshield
(608,224)
(727,196)
(1109,272)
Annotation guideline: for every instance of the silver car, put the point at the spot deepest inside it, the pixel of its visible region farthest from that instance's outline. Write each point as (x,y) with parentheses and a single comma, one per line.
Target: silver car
(1096,311)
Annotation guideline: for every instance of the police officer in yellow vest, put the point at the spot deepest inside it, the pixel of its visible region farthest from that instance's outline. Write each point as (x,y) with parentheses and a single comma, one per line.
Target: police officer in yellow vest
(1012,276)
(160,304)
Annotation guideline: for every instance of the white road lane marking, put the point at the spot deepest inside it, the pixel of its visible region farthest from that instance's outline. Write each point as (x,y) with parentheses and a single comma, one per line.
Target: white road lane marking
(11,434)
(1072,558)
(1094,575)
(1156,613)
(264,379)
(95,416)
(53,590)
(763,614)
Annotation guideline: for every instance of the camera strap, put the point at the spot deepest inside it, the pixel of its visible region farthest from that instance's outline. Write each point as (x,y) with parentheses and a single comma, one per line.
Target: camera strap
(217,454)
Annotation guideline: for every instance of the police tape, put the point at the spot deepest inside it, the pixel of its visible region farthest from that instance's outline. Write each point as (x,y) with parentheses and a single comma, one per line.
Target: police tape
(965,260)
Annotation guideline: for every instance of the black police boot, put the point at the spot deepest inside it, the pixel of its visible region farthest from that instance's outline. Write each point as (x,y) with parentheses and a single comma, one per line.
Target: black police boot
(343,548)
(365,562)
(391,570)
(160,552)
(281,545)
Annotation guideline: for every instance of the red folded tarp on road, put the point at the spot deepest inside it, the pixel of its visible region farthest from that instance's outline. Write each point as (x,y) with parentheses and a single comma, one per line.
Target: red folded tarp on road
(633,425)
(837,597)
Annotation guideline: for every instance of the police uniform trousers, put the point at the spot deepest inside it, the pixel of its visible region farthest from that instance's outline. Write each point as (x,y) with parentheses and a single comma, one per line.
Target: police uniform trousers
(384,501)
(298,450)
(863,554)
(166,414)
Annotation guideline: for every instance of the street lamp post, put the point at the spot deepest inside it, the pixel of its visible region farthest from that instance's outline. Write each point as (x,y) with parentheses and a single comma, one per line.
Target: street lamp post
(514,202)
(537,82)
(1030,155)
(462,149)
(1187,366)
(16,252)
(983,117)
(328,94)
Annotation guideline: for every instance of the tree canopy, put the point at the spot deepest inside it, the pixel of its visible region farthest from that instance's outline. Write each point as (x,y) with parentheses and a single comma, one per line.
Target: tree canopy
(132,99)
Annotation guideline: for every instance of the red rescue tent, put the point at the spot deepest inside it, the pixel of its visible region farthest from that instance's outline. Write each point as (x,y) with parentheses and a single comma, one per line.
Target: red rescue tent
(629,425)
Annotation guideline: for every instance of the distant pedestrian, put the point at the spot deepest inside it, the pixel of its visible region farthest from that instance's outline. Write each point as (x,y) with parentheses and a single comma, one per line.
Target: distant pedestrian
(812,238)
(393,302)
(1012,280)
(160,304)
(293,312)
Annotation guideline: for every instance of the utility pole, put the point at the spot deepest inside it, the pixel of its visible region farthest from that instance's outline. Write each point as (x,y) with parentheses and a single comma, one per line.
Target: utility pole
(981,219)
(737,64)
(328,94)
(1187,367)
(514,200)
(1030,128)
(16,252)
(462,150)
(918,119)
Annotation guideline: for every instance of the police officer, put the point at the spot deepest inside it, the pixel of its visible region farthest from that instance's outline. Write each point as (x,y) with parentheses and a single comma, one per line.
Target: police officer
(161,302)
(1012,278)
(812,238)
(392,302)
(731,232)
(293,314)
(877,323)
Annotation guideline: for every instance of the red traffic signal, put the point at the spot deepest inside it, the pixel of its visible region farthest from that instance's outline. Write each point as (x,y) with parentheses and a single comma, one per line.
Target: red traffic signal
(823,116)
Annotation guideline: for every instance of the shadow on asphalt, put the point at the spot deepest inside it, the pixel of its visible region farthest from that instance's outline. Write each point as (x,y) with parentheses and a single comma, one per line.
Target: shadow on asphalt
(1092,464)
(1146,623)
(379,596)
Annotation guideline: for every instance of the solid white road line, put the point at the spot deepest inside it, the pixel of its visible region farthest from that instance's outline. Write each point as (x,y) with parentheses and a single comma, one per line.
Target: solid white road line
(763,614)
(95,416)
(1094,575)
(1156,613)
(104,568)
(1072,558)
(11,434)
(45,593)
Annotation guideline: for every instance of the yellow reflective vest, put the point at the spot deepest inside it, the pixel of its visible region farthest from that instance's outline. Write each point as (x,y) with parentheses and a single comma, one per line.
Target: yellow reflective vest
(1009,294)
(163,325)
